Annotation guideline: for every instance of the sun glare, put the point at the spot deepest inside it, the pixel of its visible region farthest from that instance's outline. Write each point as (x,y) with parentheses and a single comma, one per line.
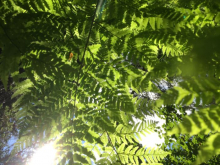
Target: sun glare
(152,139)
(44,156)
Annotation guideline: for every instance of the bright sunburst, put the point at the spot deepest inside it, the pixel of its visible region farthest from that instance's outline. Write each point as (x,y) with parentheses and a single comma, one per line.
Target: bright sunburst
(44,156)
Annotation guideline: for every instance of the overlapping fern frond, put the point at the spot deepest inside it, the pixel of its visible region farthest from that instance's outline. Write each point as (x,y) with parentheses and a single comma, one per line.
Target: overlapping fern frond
(126,45)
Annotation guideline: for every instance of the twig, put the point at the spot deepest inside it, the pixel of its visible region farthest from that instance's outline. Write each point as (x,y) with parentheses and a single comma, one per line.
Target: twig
(90,30)
(81,65)
(113,146)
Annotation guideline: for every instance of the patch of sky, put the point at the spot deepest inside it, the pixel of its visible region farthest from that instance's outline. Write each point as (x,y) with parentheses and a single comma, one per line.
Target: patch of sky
(152,139)
(100,90)
(11,142)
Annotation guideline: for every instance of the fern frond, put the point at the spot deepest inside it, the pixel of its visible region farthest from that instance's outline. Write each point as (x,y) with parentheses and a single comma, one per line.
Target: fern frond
(210,147)
(206,120)
(132,155)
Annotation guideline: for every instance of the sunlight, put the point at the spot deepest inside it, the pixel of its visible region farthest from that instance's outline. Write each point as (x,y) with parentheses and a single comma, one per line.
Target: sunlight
(44,156)
(152,139)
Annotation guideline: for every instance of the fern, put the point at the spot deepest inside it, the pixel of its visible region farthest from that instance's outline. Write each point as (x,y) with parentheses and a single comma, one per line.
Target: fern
(210,148)
(204,121)
(117,47)
(132,155)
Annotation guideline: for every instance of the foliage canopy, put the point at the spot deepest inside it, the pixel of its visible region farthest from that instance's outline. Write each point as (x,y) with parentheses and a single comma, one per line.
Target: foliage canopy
(85,59)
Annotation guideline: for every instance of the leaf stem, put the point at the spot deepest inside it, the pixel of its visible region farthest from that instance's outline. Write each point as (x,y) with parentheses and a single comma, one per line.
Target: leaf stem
(113,147)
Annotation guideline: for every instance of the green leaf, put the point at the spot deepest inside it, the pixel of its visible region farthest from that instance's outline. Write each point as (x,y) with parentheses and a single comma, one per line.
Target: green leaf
(203,121)
(121,148)
(152,22)
(128,149)
(210,148)
(4,79)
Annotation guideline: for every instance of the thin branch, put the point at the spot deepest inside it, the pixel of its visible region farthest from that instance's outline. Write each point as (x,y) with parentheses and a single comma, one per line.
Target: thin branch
(81,65)
(84,52)
(90,30)
(113,146)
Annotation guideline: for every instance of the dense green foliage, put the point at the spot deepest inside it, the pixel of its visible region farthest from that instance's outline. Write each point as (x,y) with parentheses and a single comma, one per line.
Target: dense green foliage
(85,59)
(183,147)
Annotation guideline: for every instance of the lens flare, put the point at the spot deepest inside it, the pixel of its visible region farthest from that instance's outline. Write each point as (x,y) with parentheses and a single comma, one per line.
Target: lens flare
(44,156)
